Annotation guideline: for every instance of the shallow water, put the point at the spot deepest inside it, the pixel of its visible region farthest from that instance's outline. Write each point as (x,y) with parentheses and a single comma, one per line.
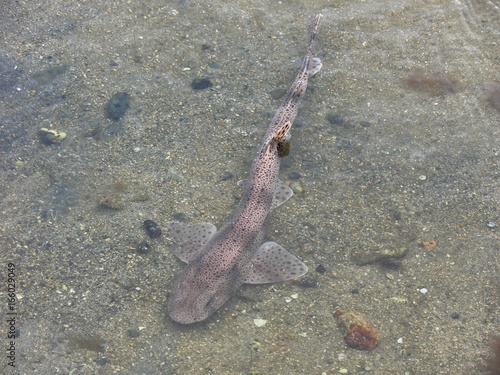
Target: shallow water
(397,144)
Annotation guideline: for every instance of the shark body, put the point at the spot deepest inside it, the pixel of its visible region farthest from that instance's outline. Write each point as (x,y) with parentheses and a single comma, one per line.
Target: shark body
(220,261)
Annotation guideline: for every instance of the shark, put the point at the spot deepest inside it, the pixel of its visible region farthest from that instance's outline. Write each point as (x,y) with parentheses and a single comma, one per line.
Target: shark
(220,261)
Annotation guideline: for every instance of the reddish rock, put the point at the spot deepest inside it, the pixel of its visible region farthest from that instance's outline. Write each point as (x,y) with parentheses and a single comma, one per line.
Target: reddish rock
(360,334)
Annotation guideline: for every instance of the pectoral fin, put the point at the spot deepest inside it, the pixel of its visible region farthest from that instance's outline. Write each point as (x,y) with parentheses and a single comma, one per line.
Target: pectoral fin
(272,263)
(188,240)
(314,66)
(282,193)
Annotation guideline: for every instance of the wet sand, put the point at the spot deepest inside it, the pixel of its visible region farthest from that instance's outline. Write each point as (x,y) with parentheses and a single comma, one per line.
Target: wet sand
(396,146)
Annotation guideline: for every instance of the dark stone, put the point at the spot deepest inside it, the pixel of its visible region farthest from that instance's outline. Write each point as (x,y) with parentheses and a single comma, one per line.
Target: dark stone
(201,84)
(133,332)
(321,269)
(180,216)
(118,105)
(308,282)
(365,124)
(48,139)
(334,119)
(226,176)
(102,361)
(46,76)
(455,315)
(152,228)
(143,248)
(294,175)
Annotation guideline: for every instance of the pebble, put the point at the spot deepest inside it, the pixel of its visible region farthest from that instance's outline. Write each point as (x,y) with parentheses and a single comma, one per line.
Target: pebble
(180,216)
(321,269)
(491,224)
(297,188)
(118,105)
(226,176)
(51,136)
(423,290)
(143,248)
(152,228)
(334,119)
(294,175)
(201,84)
(260,322)
(133,332)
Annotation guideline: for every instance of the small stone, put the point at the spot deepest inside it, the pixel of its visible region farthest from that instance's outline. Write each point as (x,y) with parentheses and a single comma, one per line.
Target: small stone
(307,281)
(491,224)
(226,176)
(294,176)
(334,119)
(321,269)
(118,105)
(133,332)
(297,188)
(51,136)
(201,84)
(143,248)
(260,322)
(152,228)
(46,76)
(101,361)
(180,216)
(423,290)
(455,315)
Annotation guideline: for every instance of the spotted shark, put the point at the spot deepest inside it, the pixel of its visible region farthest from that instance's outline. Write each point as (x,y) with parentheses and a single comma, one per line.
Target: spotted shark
(220,261)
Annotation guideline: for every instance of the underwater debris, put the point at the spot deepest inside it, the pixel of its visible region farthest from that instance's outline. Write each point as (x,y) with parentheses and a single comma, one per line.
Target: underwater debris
(428,245)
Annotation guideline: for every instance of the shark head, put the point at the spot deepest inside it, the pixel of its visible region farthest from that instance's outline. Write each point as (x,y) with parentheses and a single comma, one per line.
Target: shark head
(197,294)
